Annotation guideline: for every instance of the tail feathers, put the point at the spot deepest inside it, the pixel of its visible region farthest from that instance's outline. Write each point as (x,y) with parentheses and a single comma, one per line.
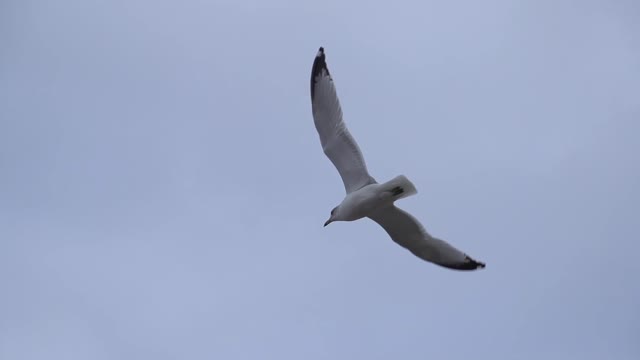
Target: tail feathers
(399,187)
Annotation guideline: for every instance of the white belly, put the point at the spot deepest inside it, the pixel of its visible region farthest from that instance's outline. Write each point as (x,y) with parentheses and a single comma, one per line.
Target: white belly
(362,202)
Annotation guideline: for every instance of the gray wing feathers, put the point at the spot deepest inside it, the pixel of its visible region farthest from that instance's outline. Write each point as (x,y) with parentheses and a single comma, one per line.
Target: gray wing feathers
(337,142)
(407,232)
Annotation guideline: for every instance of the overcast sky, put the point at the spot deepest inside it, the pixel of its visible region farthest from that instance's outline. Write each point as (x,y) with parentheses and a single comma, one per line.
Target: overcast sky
(163,188)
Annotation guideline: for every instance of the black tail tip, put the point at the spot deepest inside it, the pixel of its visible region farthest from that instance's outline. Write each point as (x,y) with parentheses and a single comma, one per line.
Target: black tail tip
(320,52)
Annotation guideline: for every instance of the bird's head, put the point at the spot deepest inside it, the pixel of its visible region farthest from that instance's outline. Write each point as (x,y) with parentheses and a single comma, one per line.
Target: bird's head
(335,213)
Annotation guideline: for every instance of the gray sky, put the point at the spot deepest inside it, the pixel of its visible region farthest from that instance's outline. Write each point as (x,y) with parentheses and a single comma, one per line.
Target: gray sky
(163,189)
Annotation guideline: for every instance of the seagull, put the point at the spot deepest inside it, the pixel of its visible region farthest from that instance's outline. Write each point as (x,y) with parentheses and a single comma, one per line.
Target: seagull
(365,197)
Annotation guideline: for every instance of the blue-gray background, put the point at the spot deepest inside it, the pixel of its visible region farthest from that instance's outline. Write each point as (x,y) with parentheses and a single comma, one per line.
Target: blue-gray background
(162,187)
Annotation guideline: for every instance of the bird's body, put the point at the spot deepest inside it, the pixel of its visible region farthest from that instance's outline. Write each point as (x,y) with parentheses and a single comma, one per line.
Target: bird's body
(360,203)
(373,197)
(365,197)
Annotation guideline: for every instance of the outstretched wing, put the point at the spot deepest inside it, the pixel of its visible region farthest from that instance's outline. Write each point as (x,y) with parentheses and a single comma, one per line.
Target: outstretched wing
(407,232)
(337,142)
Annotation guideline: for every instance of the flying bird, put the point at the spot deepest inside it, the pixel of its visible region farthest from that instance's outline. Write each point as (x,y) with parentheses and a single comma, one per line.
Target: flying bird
(365,197)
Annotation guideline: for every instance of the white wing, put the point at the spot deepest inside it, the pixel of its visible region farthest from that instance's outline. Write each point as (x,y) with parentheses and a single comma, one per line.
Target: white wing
(337,142)
(407,232)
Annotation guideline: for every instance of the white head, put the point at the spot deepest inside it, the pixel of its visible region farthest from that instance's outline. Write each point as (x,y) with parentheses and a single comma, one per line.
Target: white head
(335,215)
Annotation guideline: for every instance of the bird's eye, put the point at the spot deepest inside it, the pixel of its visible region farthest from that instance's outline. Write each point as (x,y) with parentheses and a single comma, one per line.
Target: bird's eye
(332,211)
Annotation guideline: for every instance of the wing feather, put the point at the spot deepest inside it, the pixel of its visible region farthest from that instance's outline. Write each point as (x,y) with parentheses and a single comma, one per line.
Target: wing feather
(336,140)
(409,233)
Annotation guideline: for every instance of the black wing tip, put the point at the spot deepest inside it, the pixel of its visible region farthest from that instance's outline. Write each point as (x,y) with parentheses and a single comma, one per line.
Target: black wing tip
(467,265)
(319,66)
